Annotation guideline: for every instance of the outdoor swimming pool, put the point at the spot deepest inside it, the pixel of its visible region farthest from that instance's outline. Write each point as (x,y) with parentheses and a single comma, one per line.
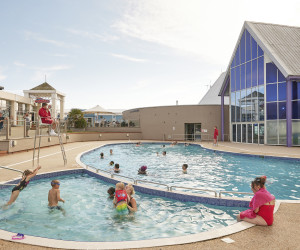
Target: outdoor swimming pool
(90,215)
(207,169)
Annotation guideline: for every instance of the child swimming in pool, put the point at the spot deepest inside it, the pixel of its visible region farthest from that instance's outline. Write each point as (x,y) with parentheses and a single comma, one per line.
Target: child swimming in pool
(54,196)
(142,170)
(117,168)
(184,168)
(120,200)
(111,163)
(111,192)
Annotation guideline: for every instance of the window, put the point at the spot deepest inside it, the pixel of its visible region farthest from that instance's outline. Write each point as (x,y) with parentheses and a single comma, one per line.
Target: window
(282,110)
(282,91)
(234,133)
(260,71)
(243,76)
(296,132)
(271,92)
(296,90)
(254,48)
(271,73)
(232,80)
(272,111)
(243,48)
(260,52)
(261,103)
(272,132)
(295,109)
(248,46)
(248,74)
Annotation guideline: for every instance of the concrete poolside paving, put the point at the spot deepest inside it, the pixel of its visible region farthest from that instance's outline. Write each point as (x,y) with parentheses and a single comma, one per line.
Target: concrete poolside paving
(284,234)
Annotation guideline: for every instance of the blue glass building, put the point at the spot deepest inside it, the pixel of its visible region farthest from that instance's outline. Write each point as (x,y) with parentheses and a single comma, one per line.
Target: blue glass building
(263,85)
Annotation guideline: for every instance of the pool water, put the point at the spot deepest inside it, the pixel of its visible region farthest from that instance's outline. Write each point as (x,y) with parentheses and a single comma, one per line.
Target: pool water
(90,216)
(206,169)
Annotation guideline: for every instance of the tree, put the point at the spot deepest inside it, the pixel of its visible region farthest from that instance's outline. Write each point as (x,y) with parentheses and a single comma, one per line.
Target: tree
(75,119)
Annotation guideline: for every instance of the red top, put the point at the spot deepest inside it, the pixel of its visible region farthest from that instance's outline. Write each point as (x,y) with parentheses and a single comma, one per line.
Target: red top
(43,113)
(216,133)
(121,195)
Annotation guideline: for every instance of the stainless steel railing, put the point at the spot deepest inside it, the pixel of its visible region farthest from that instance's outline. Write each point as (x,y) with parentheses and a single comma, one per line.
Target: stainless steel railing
(152,182)
(199,189)
(169,188)
(233,192)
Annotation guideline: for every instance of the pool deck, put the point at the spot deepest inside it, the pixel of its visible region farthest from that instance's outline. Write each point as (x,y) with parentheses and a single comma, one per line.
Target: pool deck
(284,234)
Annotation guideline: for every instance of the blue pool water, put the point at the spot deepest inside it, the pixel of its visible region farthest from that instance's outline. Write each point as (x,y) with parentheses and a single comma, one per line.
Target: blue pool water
(208,170)
(90,216)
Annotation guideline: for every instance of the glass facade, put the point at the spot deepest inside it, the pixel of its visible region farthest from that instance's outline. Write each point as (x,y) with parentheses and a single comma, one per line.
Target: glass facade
(247,92)
(258,98)
(296,113)
(276,105)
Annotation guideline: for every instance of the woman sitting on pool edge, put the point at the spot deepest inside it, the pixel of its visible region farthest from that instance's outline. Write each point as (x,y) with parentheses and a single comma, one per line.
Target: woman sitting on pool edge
(132,206)
(261,206)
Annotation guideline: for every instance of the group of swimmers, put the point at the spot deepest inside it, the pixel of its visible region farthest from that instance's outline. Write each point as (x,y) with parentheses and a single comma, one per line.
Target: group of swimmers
(260,212)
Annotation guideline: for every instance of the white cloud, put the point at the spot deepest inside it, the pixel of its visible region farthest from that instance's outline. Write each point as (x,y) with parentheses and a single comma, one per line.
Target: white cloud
(53,68)
(31,35)
(19,64)
(206,29)
(40,72)
(129,58)
(93,35)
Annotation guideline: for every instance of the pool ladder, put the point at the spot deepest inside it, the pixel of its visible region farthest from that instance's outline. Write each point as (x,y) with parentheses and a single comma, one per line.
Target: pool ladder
(38,135)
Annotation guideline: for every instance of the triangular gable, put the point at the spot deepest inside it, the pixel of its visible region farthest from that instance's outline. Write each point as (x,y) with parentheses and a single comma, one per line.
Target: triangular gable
(279,43)
(43,86)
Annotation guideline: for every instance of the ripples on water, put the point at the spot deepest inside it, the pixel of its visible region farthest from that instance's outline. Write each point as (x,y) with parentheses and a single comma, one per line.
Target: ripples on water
(90,215)
(208,170)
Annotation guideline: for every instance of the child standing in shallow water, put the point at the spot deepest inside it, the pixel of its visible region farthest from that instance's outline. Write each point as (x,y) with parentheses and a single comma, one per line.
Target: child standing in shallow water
(54,196)
(120,200)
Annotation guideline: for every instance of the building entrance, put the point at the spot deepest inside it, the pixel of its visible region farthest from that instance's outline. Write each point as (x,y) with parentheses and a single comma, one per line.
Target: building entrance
(192,131)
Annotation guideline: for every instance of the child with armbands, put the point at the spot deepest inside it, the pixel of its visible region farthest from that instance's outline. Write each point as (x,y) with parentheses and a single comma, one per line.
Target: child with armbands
(120,200)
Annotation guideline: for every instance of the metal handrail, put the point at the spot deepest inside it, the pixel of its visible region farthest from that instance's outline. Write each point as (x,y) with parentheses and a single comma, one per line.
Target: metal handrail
(125,177)
(136,182)
(232,192)
(97,171)
(200,189)
(12,169)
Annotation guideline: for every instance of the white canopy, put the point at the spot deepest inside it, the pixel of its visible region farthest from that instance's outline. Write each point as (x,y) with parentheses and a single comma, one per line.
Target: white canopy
(97,109)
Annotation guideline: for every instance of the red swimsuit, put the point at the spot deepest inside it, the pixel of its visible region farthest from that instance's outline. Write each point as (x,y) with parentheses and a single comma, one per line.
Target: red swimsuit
(266,212)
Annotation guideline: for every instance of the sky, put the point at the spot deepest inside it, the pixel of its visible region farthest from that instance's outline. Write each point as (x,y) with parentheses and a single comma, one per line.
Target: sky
(124,54)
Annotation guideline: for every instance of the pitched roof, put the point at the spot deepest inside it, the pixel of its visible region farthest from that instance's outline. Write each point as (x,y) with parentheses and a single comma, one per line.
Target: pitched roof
(43,86)
(211,97)
(281,43)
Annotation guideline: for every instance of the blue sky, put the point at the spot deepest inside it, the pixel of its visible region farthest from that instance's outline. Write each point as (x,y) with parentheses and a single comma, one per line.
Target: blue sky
(126,54)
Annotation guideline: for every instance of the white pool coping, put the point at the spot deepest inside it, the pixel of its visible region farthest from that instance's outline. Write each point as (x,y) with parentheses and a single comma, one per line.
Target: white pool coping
(213,234)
